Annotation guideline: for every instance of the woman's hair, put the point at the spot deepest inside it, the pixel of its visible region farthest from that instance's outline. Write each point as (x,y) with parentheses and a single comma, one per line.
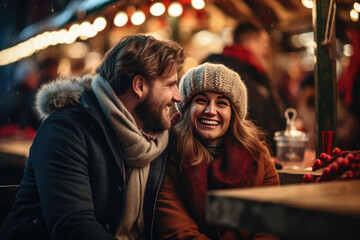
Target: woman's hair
(189,147)
(140,55)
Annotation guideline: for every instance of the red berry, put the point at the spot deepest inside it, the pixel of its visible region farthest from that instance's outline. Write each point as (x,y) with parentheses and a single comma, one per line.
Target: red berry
(326,171)
(353,166)
(334,168)
(345,163)
(357,174)
(351,157)
(327,159)
(341,162)
(336,151)
(318,179)
(308,177)
(322,156)
(317,164)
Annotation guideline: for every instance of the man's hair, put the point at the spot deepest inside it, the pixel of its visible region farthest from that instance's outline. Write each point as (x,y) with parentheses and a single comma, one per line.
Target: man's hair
(245,30)
(140,55)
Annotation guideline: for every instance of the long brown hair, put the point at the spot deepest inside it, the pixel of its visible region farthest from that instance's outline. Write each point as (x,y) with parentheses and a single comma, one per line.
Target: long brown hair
(188,147)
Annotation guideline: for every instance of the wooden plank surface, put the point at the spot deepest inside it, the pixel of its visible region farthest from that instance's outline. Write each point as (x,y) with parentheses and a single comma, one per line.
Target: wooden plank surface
(295,175)
(18,146)
(300,211)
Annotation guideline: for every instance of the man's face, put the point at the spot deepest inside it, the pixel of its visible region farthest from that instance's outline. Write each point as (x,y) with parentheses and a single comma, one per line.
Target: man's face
(154,110)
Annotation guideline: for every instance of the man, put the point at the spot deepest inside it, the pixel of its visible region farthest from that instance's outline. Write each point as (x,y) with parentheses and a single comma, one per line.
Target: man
(97,161)
(248,56)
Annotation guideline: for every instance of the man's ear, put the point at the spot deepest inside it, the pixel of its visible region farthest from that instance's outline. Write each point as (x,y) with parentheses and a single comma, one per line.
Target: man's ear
(138,85)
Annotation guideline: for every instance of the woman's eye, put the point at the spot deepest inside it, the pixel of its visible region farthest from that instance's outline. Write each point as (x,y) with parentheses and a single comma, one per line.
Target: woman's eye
(223,103)
(200,100)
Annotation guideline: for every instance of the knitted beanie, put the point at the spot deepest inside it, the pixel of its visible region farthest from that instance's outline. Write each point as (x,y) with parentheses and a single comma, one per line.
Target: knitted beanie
(210,77)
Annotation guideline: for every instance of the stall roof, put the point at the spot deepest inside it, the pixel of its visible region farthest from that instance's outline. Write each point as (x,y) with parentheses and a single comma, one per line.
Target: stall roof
(285,15)
(68,14)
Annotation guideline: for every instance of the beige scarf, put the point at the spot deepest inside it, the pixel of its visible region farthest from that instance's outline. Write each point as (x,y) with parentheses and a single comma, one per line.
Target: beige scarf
(137,151)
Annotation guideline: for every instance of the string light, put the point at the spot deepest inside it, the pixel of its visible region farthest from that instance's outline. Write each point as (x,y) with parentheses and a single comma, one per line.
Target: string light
(99,24)
(175,9)
(157,9)
(354,15)
(198,4)
(307,3)
(357,6)
(138,18)
(120,19)
(87,30)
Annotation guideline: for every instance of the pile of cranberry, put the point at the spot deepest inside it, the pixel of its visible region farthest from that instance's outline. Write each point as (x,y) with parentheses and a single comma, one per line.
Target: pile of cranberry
(337,165)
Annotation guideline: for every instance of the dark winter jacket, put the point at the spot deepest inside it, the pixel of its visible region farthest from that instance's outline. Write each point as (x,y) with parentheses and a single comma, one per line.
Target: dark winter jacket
(73,185)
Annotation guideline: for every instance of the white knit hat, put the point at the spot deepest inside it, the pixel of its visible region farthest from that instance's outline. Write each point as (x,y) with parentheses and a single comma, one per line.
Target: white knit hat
(210,77)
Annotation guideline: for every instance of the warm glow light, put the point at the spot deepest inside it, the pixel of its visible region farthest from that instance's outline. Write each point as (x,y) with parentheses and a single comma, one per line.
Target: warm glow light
(120,19)
(204,37)
(64,67)
(357,6)
(77,50)
(308,3)
(175,9)
(354,15)
(348,50)
(198,4)
(85,28)
(306,39)
(157,9)
(99,24)
(75,29)
(138,18)
(61,36)
(52,38)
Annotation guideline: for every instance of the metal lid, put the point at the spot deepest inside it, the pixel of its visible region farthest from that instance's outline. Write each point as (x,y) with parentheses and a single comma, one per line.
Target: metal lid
(290,133)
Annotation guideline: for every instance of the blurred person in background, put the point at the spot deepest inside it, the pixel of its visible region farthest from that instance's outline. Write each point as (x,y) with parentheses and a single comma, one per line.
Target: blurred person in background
(98,159)
(347,129)
(17,110)
(16,106)
(248,56)
(213,146)
(349,83)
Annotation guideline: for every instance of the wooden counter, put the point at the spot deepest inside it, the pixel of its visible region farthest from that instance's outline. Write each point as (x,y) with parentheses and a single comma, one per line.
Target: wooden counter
(295,175)
(328,210)
(14,151)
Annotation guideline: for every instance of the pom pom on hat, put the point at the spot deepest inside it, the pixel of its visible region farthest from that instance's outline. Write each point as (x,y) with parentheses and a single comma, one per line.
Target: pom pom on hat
(210,77)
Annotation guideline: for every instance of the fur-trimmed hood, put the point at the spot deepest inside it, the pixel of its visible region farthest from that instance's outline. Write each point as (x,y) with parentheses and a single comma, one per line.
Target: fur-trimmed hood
(61,92)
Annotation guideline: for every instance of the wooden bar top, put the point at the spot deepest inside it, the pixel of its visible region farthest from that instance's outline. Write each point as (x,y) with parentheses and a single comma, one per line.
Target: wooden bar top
(19,146)
(328,210)
(14,151)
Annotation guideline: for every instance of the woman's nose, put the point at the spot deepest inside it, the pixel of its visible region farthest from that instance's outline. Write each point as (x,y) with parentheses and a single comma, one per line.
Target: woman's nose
(210,109)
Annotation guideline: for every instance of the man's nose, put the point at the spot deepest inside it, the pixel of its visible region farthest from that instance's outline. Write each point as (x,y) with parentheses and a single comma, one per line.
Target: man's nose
(177,96)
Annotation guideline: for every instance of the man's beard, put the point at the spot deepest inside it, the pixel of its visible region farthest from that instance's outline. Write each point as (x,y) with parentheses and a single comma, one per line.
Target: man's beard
(150,113)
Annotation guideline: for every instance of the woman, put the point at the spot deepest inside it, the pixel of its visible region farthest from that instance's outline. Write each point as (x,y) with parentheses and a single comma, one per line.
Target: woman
(214,147)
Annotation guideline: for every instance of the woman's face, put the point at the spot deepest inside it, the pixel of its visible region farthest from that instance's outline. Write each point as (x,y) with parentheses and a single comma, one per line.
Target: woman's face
(210,114)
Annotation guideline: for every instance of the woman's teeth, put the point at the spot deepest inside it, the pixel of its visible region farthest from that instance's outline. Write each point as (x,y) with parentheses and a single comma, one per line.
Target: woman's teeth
(209,122)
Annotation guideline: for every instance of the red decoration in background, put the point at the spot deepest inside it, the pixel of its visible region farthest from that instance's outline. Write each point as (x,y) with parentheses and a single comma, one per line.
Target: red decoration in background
(328,141)
(346,80)
(14,129)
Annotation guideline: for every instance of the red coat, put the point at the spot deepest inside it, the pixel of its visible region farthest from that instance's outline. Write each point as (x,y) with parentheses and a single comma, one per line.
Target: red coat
(173,220)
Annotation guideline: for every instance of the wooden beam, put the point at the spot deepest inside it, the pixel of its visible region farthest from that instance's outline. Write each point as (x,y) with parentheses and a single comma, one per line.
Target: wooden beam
(325,72)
